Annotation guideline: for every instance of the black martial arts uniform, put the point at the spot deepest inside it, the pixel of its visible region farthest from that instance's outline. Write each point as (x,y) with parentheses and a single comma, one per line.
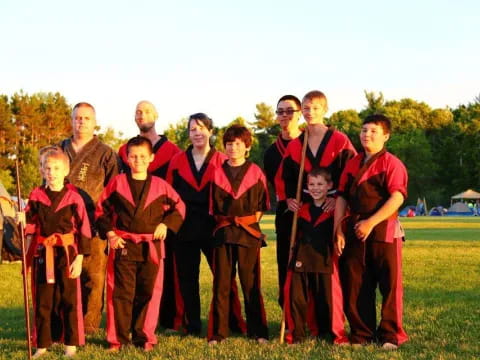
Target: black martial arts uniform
(237,194)
(133,209)
(171,308)
(378,260)
(196,235)
(313,280)
(59,224)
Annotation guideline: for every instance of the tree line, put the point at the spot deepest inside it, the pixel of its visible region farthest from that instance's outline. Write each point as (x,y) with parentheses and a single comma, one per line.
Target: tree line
(440,147)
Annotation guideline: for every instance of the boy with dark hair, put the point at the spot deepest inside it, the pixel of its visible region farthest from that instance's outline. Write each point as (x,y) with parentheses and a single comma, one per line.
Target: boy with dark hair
(59,234)
(372,188)
(238,199)
(288,114)
(313,278)
(134,214)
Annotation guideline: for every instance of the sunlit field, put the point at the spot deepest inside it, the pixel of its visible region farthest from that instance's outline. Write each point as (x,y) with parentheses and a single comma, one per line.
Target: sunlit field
(442,306)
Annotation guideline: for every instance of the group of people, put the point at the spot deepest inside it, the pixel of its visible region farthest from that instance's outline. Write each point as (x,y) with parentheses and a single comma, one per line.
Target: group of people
(143,218)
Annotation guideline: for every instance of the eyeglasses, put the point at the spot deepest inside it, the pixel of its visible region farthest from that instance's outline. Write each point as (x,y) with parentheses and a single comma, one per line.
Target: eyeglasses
(287,112)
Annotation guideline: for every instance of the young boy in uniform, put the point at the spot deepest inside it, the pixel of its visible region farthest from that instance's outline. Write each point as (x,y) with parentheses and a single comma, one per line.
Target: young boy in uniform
(313,275)
(134,213)
(238,198)
(372,188)
(59,234)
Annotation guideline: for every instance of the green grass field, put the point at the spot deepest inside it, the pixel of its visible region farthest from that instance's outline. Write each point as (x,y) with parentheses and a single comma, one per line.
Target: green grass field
(441,316)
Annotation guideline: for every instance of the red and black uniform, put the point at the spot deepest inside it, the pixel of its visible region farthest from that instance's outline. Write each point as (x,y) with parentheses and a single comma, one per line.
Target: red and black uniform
(313,280)
(196,235)
(333,153)
(133,209)
(237,194)
(59,224)
(283,218)
(366,186)
(171,309)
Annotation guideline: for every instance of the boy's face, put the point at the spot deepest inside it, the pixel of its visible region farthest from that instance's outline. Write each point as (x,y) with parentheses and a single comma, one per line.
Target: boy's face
(287,113)
(236,150)
(138,158)
(54,171)
(373,138)
(318,187)
(314,110)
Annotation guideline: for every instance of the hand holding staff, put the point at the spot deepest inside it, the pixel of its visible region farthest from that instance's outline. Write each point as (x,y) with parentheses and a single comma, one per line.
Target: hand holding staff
(293,234)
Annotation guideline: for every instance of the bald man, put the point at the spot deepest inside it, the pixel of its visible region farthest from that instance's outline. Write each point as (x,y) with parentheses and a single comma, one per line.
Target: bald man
(92,165)
(146,115)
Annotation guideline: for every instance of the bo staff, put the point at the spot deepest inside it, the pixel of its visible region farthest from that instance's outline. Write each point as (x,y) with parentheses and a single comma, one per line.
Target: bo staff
(293,234)
(24,266)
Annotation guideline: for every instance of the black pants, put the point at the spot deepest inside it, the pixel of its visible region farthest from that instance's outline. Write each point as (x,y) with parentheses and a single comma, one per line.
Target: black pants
(226,258)
(57,307)
(283,228)
(363,267)
(188,256)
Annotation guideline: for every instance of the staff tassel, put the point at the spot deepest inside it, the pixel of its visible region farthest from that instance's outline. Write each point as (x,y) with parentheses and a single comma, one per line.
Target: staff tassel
(24,266)
(293,234)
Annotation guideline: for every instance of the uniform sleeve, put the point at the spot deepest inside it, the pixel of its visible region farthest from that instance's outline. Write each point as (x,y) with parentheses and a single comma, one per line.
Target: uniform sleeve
(397,177)
(175,215)
(264,201)
(104,210)
(343,183)
(31,215)
(269,167)
(290,170)
(84,234)
(172,170)
(111,165)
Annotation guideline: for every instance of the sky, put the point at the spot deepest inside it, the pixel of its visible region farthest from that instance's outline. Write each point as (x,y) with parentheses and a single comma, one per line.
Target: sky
(223,57)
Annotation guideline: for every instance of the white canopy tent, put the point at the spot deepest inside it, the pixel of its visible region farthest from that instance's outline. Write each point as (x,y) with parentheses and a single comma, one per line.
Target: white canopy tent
(466,195)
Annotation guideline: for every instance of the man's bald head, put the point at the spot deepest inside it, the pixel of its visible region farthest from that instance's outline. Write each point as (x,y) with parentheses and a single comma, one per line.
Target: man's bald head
(145,115)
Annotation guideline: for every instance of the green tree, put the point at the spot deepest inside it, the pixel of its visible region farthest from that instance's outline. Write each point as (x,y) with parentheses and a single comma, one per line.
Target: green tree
(178,133)
(7,180)
(112,138)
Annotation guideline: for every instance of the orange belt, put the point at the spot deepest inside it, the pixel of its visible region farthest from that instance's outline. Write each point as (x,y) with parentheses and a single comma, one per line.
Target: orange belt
(56,239)
(242,221)
(138,238)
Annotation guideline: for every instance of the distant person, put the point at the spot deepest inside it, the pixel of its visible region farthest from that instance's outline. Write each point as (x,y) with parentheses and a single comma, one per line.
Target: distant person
(239,197)
(372,188)
(92,165)
(146,116)
(313,272)
(191,173)
(135,212)
(58,233)
(288,114)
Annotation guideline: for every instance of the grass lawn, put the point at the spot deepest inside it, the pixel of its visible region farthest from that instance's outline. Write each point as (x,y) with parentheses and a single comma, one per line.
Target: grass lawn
(441,316)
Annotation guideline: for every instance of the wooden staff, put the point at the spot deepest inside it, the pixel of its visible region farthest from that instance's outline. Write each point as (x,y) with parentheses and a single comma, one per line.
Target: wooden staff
(26,303)
(293,234)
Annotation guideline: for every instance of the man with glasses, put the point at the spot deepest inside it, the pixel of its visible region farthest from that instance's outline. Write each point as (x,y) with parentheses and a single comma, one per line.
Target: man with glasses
(288,113)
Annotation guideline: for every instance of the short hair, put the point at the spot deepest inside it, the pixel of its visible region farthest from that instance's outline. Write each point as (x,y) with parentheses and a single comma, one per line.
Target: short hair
(237,131)
(149,103)
(53,152)
(381,120)
(290,98)
(201,117)
(315,94)
(83,104)
(140,141)
(321,171)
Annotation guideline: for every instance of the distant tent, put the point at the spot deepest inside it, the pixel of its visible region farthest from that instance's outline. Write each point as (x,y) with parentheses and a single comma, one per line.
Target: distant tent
(437,211)
(408,211)
(459,209)
(467,195)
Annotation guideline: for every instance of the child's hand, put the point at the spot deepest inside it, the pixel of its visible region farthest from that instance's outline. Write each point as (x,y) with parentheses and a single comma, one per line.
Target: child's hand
(363,228)
(293,205)
(20,218)
(115,241)
(76,267)
(160,232)
(339,241)
(329,204)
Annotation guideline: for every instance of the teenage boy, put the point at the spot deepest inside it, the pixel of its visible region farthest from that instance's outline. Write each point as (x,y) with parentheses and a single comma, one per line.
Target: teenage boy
(313,275)
(372,188)
(59,234)
(288,114)
(238,198)
(134,214)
